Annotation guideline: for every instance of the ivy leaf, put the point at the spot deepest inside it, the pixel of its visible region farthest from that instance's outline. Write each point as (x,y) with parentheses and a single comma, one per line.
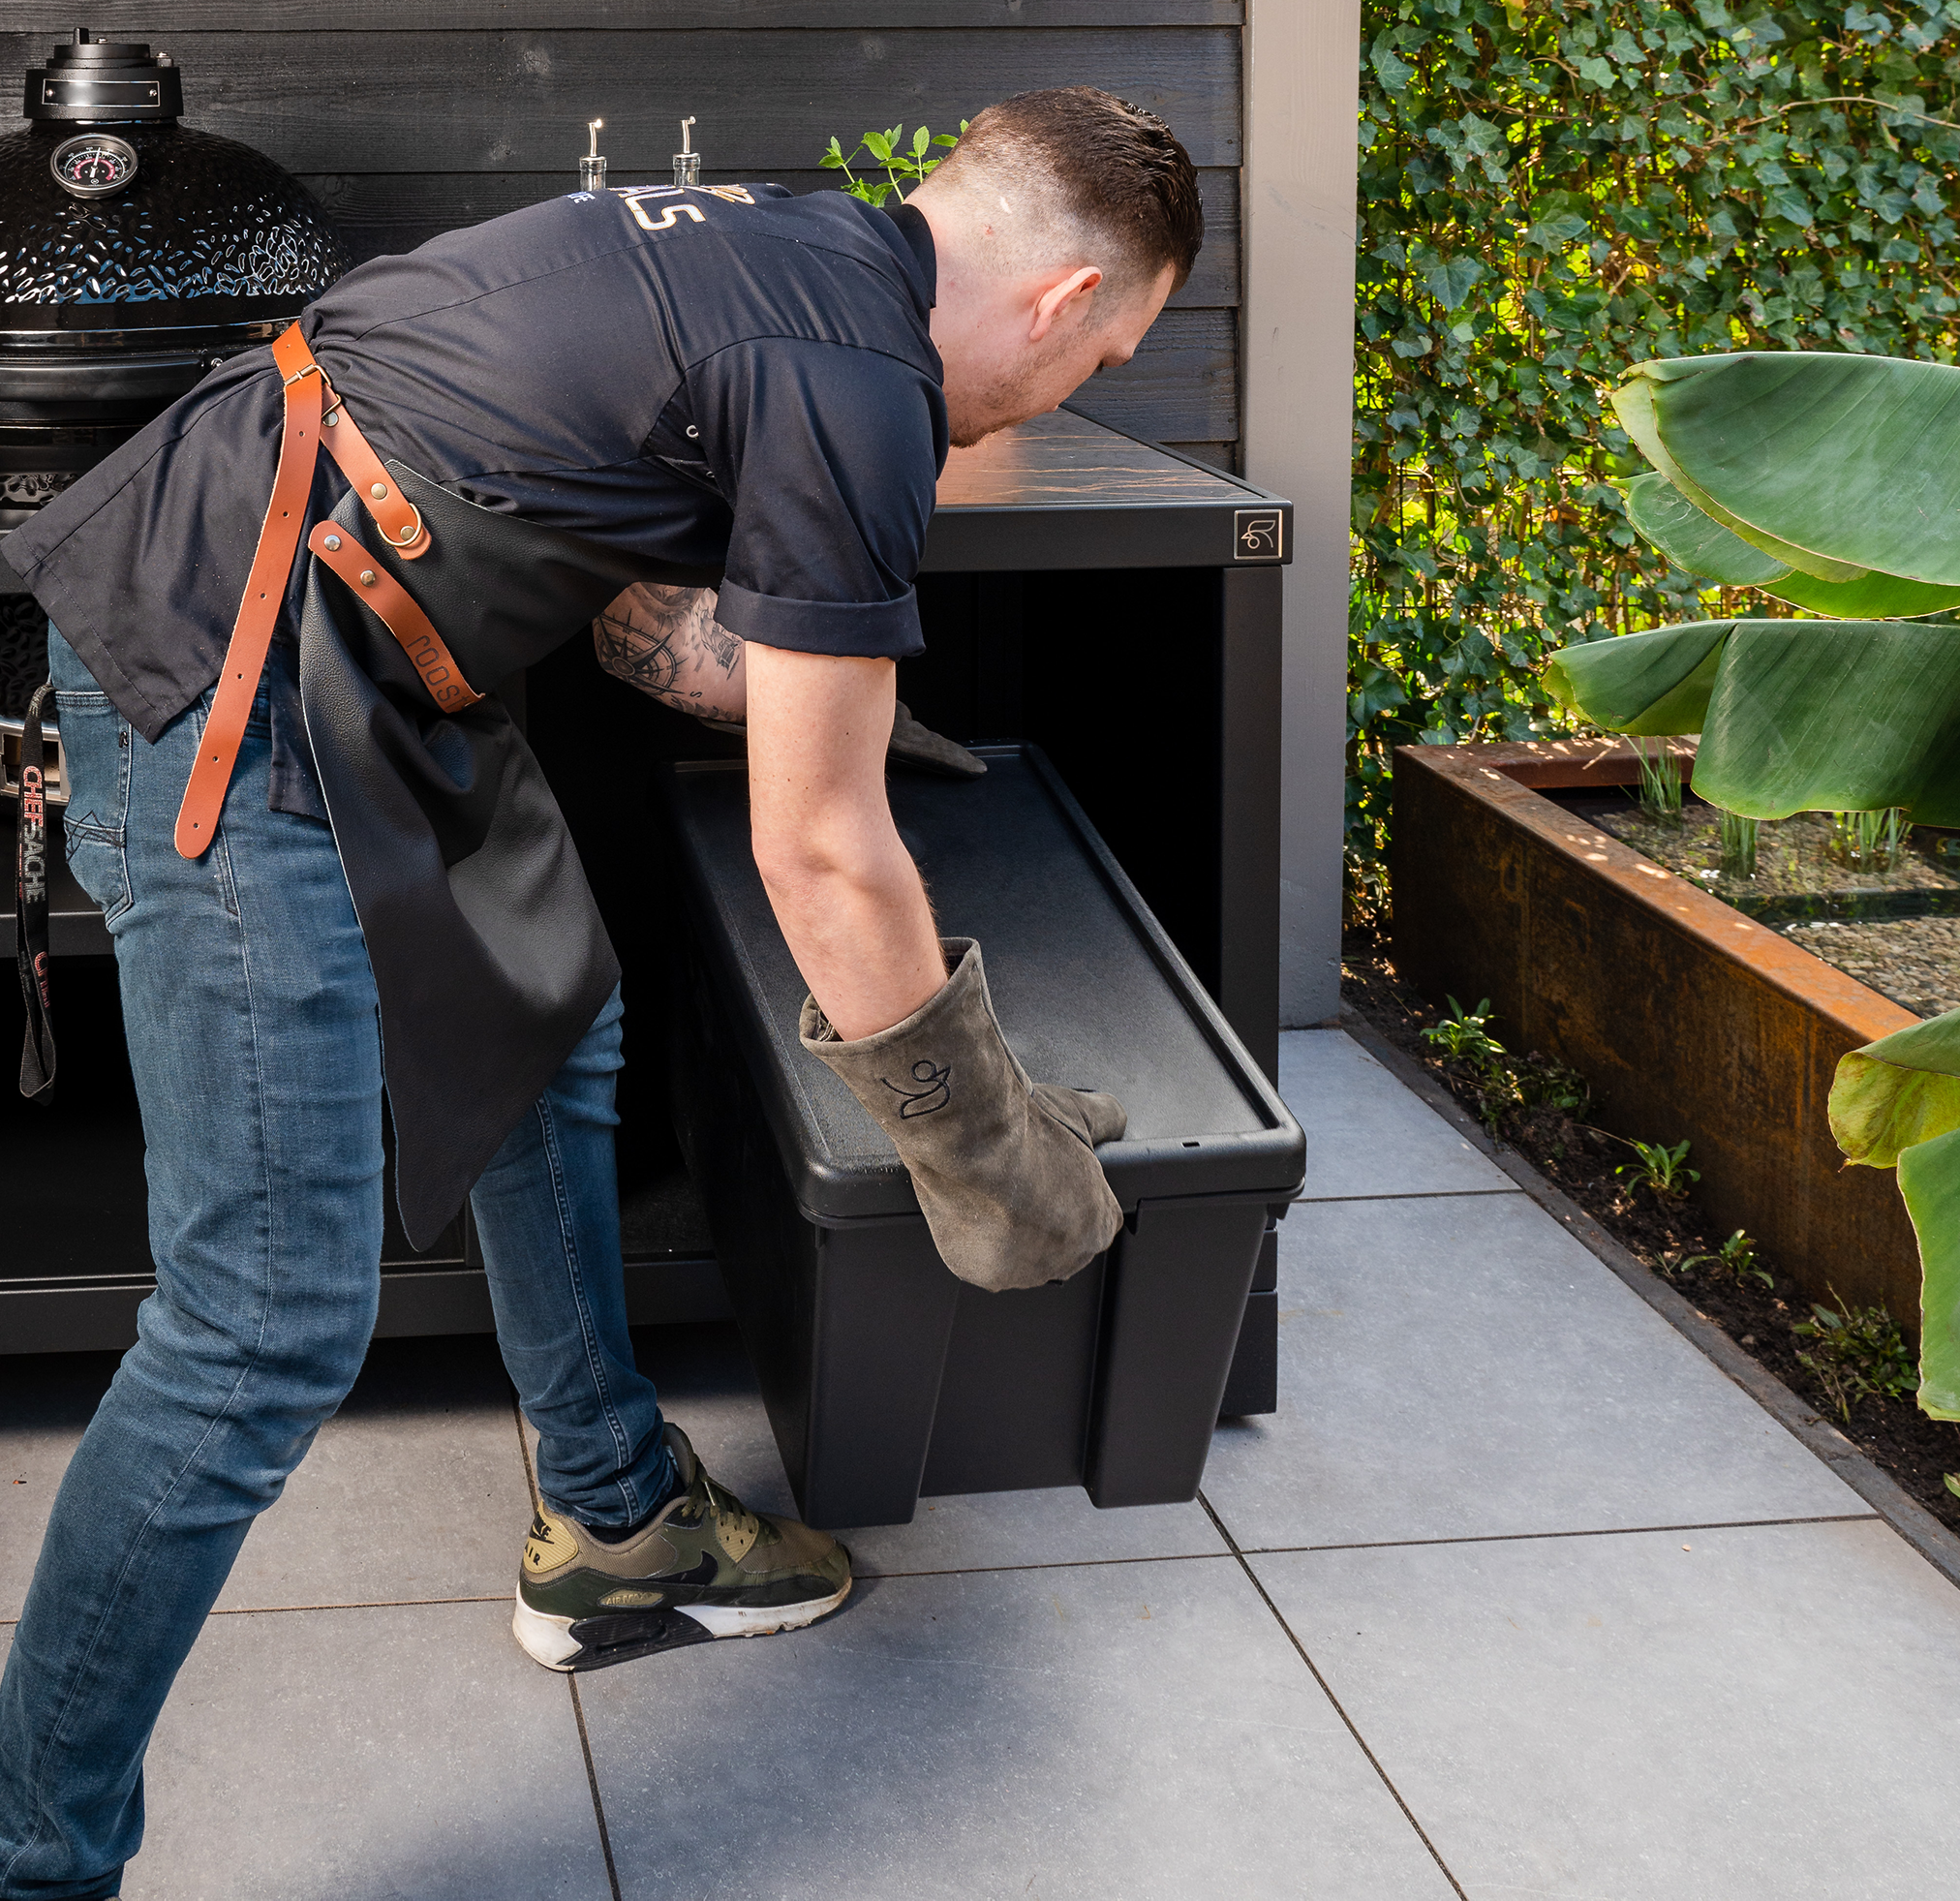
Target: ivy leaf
(1903,108)
(1374,689)
(1556,232)
(1598,72)
(1451,280)
(1394,74)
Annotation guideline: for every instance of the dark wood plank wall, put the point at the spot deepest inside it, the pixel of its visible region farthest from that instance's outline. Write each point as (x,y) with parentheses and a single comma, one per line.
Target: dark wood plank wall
(409,117)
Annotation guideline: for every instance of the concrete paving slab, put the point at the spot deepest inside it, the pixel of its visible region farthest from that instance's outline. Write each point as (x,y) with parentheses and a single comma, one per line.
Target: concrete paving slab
(401,1754)
(414,1491)
(1143,1730)
(706,1386)
(1771,1715)
(47,1400)
(1463,1366)
(1369,1135)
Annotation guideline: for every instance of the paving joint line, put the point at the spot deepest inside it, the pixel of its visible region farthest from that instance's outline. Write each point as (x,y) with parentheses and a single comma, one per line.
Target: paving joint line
(1918,1526)
(605,1848)
(1339,1710)
(1415,1195)
(1375,1545)
(1044,1564)
(612,1873)
(1540,1537)
(365,1604)
(1160,1557)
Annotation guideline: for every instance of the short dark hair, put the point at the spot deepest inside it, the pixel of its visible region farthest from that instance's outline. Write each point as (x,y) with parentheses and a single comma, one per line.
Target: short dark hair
(1119,168)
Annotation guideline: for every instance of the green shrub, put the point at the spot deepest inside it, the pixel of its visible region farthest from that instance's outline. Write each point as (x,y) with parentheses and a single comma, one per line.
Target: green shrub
(1856,1352)
(1548,193)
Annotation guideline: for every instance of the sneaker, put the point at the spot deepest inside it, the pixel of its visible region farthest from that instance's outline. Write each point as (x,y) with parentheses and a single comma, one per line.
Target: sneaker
(704,1566)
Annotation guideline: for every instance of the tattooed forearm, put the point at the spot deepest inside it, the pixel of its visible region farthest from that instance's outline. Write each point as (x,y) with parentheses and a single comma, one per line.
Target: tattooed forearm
(665,641)
(719,641)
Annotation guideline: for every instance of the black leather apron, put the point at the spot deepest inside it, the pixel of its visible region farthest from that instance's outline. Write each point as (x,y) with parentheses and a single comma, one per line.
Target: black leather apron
(488,952)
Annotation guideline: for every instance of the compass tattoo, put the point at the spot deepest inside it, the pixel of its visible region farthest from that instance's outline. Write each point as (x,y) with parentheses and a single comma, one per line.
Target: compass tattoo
(667,642)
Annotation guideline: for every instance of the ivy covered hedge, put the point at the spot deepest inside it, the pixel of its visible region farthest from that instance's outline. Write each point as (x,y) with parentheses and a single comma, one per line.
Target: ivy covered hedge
(1548,193)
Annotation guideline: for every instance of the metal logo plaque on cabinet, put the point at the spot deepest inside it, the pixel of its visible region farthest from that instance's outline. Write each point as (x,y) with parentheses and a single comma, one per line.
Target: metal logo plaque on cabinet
(1258,534)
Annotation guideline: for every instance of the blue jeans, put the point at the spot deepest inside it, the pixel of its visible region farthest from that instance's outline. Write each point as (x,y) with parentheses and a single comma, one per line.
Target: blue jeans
(250,1012)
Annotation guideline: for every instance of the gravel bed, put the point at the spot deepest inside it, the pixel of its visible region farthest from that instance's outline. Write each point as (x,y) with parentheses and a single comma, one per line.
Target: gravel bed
(1914,961)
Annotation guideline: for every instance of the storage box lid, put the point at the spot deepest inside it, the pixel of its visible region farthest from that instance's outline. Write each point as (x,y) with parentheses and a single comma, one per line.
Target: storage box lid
(1088,989)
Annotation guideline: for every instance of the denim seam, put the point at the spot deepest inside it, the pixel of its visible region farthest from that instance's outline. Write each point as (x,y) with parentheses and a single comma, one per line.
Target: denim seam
(574,1270)
(134,1562)
(88,828)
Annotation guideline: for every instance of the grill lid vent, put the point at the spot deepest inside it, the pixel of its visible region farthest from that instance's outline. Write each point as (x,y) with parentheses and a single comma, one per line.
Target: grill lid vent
(104,83)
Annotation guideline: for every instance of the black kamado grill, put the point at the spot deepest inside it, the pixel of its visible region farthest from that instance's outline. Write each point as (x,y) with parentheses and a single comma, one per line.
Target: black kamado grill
(135,255)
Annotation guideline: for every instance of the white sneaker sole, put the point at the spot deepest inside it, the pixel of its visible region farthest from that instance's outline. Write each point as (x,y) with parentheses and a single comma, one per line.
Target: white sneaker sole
(548,1640)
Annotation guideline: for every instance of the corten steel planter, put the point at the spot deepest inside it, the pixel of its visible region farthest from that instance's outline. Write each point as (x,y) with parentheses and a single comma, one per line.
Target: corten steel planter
(1687,1017)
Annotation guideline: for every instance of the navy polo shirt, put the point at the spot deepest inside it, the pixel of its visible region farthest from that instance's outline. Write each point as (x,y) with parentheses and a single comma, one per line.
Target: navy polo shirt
(724,378)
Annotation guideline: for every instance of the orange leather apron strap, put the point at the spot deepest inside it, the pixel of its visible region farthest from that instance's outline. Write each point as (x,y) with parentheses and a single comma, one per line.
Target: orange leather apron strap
(313,414)
(399,520)
(396,610)
(258,612)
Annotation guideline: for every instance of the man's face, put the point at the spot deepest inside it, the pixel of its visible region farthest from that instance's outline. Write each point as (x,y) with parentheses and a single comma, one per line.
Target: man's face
(1029,353)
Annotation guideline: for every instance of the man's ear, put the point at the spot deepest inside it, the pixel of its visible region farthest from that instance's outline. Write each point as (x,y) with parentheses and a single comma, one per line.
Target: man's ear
(1060,296)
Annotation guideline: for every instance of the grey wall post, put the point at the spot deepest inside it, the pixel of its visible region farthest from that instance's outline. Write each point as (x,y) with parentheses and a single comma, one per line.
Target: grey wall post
(1301,98)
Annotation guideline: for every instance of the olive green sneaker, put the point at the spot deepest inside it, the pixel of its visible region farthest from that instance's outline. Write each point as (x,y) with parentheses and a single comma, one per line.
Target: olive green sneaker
(704,1566)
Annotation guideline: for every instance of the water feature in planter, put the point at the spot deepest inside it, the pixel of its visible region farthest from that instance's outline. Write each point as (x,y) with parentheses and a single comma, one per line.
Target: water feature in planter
(1880,903)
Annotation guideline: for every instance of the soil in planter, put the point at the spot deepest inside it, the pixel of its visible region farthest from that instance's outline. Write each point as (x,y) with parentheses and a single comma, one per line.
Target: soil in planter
(1524,1112)
(1896,929)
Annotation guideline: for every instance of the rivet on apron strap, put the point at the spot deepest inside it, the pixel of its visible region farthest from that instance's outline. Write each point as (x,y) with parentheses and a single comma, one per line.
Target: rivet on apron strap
(395,608)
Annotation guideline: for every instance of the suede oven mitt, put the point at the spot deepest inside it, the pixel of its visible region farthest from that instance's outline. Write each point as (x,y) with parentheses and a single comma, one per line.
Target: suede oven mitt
(1004,1169)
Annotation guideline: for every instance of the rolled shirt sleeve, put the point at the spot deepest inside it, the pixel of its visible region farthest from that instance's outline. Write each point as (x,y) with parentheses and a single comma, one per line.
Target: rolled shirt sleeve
(831,452)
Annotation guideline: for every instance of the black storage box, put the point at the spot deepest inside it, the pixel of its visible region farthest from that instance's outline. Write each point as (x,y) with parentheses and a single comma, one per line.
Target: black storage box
(884,1376)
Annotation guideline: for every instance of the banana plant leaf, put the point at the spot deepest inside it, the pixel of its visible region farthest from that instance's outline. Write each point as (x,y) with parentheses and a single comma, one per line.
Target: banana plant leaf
(1694,541)
(1701,545)
(1827,457)
(1896,1104)
(1655,682)
(1794,715)
(1872,597)
(1634,403)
